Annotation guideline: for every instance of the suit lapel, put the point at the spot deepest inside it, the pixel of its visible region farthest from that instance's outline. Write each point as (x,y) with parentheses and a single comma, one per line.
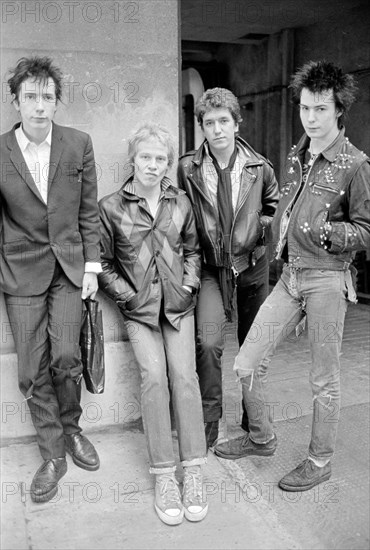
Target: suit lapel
(20,164)
(55,153)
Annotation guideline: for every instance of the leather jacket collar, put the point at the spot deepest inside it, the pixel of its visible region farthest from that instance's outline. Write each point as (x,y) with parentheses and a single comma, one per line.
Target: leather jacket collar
(253,159)
(330,153)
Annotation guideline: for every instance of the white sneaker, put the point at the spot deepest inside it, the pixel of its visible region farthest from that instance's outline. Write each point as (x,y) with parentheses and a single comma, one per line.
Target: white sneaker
(168,503)
(196,507)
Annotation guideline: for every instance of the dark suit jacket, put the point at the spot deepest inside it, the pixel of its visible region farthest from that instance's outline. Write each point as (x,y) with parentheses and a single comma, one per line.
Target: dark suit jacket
(33,235)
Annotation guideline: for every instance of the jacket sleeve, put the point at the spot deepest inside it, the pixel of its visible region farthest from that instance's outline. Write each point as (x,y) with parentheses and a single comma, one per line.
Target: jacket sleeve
(270,196)
(88,219)
(181,176)
(111,281)
(192,254)
(354,234)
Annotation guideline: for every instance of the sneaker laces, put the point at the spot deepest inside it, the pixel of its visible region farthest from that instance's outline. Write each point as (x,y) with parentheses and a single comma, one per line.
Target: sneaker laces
(169,492)
(193,490)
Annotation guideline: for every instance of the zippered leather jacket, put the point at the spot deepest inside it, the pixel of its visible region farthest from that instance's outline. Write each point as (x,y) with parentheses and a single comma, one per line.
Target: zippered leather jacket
(258,197)
(337,190)
(148,260)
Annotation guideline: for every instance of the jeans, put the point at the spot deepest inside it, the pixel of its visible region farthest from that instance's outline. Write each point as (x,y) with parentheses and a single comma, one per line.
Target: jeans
(166,359)
(323,296)
(252,289)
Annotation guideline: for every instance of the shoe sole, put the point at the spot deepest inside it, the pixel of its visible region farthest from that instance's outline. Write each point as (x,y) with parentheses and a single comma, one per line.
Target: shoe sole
(169,520)
(235,457)
(296,489)
(83,465)
(190,516)
(45,497)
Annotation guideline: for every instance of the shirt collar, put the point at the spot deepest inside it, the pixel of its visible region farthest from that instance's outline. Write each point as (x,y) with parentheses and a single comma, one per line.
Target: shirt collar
(241,151)
(24,142)
(130,186)
(242,155)
(331,150)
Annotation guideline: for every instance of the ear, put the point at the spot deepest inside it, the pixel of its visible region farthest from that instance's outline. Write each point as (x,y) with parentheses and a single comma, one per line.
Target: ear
(236,127)
(15,102)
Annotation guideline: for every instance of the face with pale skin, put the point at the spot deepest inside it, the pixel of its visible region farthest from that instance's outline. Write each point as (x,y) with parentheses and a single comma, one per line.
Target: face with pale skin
(36,104)
(319,116)
(150,164)
(219,129)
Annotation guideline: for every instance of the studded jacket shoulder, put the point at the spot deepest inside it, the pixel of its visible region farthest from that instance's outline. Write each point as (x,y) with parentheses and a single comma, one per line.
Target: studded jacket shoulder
(336,191)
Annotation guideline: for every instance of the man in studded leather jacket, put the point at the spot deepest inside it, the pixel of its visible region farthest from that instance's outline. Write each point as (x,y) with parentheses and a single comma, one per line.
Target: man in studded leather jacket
(322,219)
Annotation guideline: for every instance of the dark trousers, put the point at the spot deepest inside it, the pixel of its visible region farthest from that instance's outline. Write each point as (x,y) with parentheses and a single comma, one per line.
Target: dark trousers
(252,290)
(46,331)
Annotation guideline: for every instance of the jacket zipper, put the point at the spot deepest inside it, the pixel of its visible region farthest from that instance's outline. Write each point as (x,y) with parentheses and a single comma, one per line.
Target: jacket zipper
(324,188)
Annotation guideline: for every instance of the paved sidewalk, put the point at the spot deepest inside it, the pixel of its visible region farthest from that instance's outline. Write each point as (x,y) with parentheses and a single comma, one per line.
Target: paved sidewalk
(113,507)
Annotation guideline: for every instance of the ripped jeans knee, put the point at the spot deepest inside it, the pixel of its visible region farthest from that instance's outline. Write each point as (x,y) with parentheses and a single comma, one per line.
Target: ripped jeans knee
(324,399)
(247,376)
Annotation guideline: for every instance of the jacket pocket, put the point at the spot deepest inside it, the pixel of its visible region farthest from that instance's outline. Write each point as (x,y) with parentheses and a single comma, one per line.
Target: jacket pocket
(319,189)
(73,174)
(256,230)
(179,299)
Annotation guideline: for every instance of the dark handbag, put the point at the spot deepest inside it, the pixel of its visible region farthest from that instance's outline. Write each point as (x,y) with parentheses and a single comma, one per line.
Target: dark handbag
(92,347)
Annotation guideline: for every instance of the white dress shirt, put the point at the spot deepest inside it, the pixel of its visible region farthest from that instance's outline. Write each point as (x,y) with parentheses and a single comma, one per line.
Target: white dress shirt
(37,159)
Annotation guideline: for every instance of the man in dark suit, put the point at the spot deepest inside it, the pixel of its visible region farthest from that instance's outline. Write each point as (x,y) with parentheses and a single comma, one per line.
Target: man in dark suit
(49,260)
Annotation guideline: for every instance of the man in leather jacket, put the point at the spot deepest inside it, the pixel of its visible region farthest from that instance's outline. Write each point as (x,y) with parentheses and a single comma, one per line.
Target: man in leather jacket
(234,195)
(322,219)
(151,267)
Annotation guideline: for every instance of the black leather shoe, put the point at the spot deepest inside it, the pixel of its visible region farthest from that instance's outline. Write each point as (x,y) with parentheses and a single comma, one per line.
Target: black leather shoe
(83,452)
(305,476)
(243,446)
(44,485)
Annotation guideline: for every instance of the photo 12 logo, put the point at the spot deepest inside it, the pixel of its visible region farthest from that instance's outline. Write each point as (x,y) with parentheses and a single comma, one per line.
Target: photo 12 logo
(70,12)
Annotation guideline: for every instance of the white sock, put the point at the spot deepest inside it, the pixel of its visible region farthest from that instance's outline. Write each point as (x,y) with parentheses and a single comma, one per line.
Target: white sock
(320,462)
